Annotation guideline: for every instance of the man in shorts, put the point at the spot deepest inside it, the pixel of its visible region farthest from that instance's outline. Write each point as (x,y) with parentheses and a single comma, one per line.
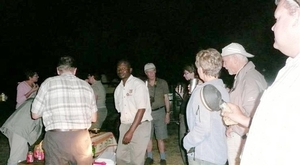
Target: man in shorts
(158,92)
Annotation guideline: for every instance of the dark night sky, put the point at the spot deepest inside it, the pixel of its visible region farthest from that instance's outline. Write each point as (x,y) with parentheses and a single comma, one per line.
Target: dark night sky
(34,34)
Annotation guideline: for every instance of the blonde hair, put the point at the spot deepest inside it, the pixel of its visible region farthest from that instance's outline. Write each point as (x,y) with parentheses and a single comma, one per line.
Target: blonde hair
(210,60)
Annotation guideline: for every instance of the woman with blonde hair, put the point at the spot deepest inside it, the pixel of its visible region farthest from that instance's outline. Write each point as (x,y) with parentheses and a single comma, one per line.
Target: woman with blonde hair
(206,140)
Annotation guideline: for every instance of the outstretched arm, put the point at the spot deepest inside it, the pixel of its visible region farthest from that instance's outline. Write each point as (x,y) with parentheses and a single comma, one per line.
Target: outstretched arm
(237,115)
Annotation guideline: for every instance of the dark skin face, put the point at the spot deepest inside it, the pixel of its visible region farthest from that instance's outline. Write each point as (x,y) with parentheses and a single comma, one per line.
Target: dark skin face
(123,71)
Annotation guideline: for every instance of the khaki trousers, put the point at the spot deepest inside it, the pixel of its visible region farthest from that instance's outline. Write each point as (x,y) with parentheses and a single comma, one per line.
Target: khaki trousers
(134,152)
(235,145)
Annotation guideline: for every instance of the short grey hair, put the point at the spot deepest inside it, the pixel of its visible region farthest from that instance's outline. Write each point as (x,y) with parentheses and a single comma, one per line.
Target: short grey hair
(288,1)
(66,63)
(210,60)
(291,5)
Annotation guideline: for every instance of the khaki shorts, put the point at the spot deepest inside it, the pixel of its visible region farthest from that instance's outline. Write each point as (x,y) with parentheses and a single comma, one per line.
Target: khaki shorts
(159,127)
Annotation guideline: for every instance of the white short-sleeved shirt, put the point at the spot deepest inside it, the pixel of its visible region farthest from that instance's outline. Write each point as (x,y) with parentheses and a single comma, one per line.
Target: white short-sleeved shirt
(274,137)
(131,97)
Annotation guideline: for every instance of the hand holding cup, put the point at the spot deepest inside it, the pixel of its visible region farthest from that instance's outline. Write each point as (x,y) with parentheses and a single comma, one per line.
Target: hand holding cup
(193,83)
(234,114)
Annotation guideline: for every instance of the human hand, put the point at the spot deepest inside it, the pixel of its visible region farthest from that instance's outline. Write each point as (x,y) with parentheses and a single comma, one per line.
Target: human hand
(228,89)
(189,89)
(127,137)
(234,113)
(35,87)
(199,82)
(179,90)
(167,118)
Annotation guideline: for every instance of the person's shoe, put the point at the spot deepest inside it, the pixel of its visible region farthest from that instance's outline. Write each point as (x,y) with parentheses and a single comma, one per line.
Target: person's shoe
(163,162)
(148,161)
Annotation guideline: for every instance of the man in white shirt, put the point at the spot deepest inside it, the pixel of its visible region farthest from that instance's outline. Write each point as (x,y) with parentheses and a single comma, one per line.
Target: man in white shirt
(133,102)
(273,138)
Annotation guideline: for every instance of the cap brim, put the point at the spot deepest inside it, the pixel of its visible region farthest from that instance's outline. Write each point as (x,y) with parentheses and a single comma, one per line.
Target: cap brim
(243,54)
(149,69)
(248,55)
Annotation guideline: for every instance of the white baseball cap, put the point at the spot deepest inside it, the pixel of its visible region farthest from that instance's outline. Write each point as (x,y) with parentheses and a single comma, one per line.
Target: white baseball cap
(149,66)
(235,48)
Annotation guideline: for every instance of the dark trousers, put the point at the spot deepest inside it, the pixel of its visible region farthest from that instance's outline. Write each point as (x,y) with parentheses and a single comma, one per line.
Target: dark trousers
(68,148)
(182,131)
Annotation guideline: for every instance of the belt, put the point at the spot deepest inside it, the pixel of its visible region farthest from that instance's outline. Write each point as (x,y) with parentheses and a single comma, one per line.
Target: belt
(66,130)
(158,108)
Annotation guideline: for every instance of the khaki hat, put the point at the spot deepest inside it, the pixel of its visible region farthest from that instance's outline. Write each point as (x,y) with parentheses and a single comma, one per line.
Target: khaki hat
(235,48)
(149,66)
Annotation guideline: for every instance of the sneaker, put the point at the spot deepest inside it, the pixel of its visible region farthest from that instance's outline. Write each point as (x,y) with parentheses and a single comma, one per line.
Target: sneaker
(163,162)
(148,161)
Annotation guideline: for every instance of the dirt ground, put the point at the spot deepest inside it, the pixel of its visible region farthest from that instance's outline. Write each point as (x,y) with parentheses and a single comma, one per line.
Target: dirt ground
(172,148)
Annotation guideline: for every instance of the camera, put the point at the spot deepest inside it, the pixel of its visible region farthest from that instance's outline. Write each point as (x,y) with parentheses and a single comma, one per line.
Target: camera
(151,99)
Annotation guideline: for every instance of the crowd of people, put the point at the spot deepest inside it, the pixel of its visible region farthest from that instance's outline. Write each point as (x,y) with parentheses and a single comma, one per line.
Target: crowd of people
(265,118)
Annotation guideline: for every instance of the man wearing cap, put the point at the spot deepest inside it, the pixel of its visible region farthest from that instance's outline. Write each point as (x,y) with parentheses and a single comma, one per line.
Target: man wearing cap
(158,92)
(246,91)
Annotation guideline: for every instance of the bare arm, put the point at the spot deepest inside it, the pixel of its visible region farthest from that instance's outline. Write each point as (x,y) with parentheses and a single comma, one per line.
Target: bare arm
(96,97)
(34,116)
(94,117)
(179,91)
(167,104)
(137,120)
(237,115)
